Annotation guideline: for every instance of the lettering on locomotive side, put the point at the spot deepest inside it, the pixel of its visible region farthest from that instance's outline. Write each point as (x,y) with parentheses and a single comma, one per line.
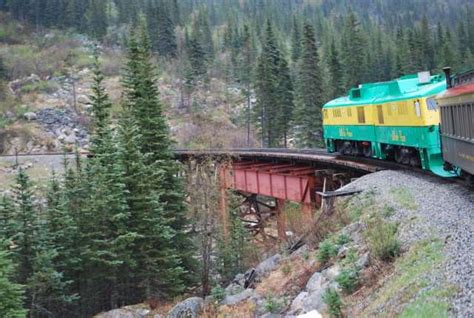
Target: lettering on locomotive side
(466,156)
(398,136)
(345,132)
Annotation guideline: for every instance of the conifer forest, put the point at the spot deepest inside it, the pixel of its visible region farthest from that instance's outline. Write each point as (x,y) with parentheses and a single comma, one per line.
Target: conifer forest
(128,224)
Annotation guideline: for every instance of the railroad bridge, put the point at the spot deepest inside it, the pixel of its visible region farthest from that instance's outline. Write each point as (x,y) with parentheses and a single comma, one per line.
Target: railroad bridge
(307,177)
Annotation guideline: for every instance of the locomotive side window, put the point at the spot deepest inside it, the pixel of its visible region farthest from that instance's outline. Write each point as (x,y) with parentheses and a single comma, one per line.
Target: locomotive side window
(380,114)
(431,104)
(361,115)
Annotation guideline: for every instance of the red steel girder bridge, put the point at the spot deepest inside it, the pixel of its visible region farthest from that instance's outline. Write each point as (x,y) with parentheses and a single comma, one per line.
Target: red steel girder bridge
(301,176)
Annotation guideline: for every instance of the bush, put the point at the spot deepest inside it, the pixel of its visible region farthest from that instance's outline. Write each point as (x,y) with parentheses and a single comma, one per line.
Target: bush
(218,293)
(348,279)
(40,87)
(342,239)
(327,249)
(332,299)
(273,305)
(382,239)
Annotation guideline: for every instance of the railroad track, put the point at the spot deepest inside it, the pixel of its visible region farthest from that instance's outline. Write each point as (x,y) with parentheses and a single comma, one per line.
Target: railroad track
(318,155)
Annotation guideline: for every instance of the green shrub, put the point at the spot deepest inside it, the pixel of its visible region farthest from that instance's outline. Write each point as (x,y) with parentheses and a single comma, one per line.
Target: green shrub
(332,299)
(327,249)
(382,239)
(348,279)
(218,293)
(342,239)
(41,86)
(273,305)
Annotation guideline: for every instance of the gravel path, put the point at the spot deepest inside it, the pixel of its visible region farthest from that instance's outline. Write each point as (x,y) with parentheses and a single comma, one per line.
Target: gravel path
(434,208)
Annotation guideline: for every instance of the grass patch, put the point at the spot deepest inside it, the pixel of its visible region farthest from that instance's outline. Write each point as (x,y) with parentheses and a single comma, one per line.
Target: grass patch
(429,304)
(404,197)
(382,239)
(360,205)
(411,275)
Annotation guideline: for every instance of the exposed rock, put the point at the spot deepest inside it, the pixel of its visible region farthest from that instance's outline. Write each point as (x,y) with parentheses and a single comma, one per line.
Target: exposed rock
(363,261)
(315,282)
(330,273)
(190,308)
(354,231)
(83,99)
(235,299)
(9,115)
(233,289)
(306,302)
(126,312)
(70,140)
(311,314)
(268,265)
(30,116)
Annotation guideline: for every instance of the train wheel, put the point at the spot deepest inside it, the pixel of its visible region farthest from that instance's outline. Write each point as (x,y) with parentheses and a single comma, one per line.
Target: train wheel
(367,150)
(398,155)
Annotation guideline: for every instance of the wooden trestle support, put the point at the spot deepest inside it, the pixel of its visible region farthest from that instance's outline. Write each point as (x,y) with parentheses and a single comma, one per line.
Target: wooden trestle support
(266,187)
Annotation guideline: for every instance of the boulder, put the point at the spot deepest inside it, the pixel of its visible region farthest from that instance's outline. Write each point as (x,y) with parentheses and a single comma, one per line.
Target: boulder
(190,308)
(268,265)
(83,99)
(124,313)
(70,140)
(233,289)
(330,273)
(363,261)
(306,302)
(30,116)
(311,314)
(316,282)
(235,299)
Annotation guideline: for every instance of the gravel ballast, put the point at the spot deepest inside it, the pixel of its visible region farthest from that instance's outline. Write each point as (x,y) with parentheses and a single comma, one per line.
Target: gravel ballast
(440,209)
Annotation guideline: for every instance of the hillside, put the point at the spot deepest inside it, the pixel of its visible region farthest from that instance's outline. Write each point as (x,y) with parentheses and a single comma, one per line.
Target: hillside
(98,217)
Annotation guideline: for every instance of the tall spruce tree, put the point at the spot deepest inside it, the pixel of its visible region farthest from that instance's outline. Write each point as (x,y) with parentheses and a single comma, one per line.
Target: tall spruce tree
(11,294)
(161,189)
(354,51)
(309,93)
(268,80)
(296,41)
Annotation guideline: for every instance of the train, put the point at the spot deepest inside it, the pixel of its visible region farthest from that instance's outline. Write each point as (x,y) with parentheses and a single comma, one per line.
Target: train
(457,123)
(414,120)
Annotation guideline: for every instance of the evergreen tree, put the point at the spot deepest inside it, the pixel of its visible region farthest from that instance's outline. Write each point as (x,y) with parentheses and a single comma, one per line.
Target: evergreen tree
(161,210)
(309,93)
(96,16)
(354,53)
(335,71)
(11,294)
(296,41)
(266,110)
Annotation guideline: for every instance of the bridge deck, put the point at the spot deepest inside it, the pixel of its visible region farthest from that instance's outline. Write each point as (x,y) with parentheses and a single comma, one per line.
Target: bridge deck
(313,156)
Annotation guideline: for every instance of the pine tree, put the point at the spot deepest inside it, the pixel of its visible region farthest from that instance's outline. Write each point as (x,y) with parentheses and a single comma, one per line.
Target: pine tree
(309,92)
(96,16)
(295,41)
(11,294)
(354,52)
(335,71)
(286,105)
(266,88)
(161,208)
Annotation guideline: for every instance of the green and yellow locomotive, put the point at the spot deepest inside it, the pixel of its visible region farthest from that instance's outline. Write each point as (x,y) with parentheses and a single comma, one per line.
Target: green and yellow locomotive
(396,120)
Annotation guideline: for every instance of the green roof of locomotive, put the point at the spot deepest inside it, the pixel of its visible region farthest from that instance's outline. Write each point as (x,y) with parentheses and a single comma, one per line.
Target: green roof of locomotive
(405,87)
